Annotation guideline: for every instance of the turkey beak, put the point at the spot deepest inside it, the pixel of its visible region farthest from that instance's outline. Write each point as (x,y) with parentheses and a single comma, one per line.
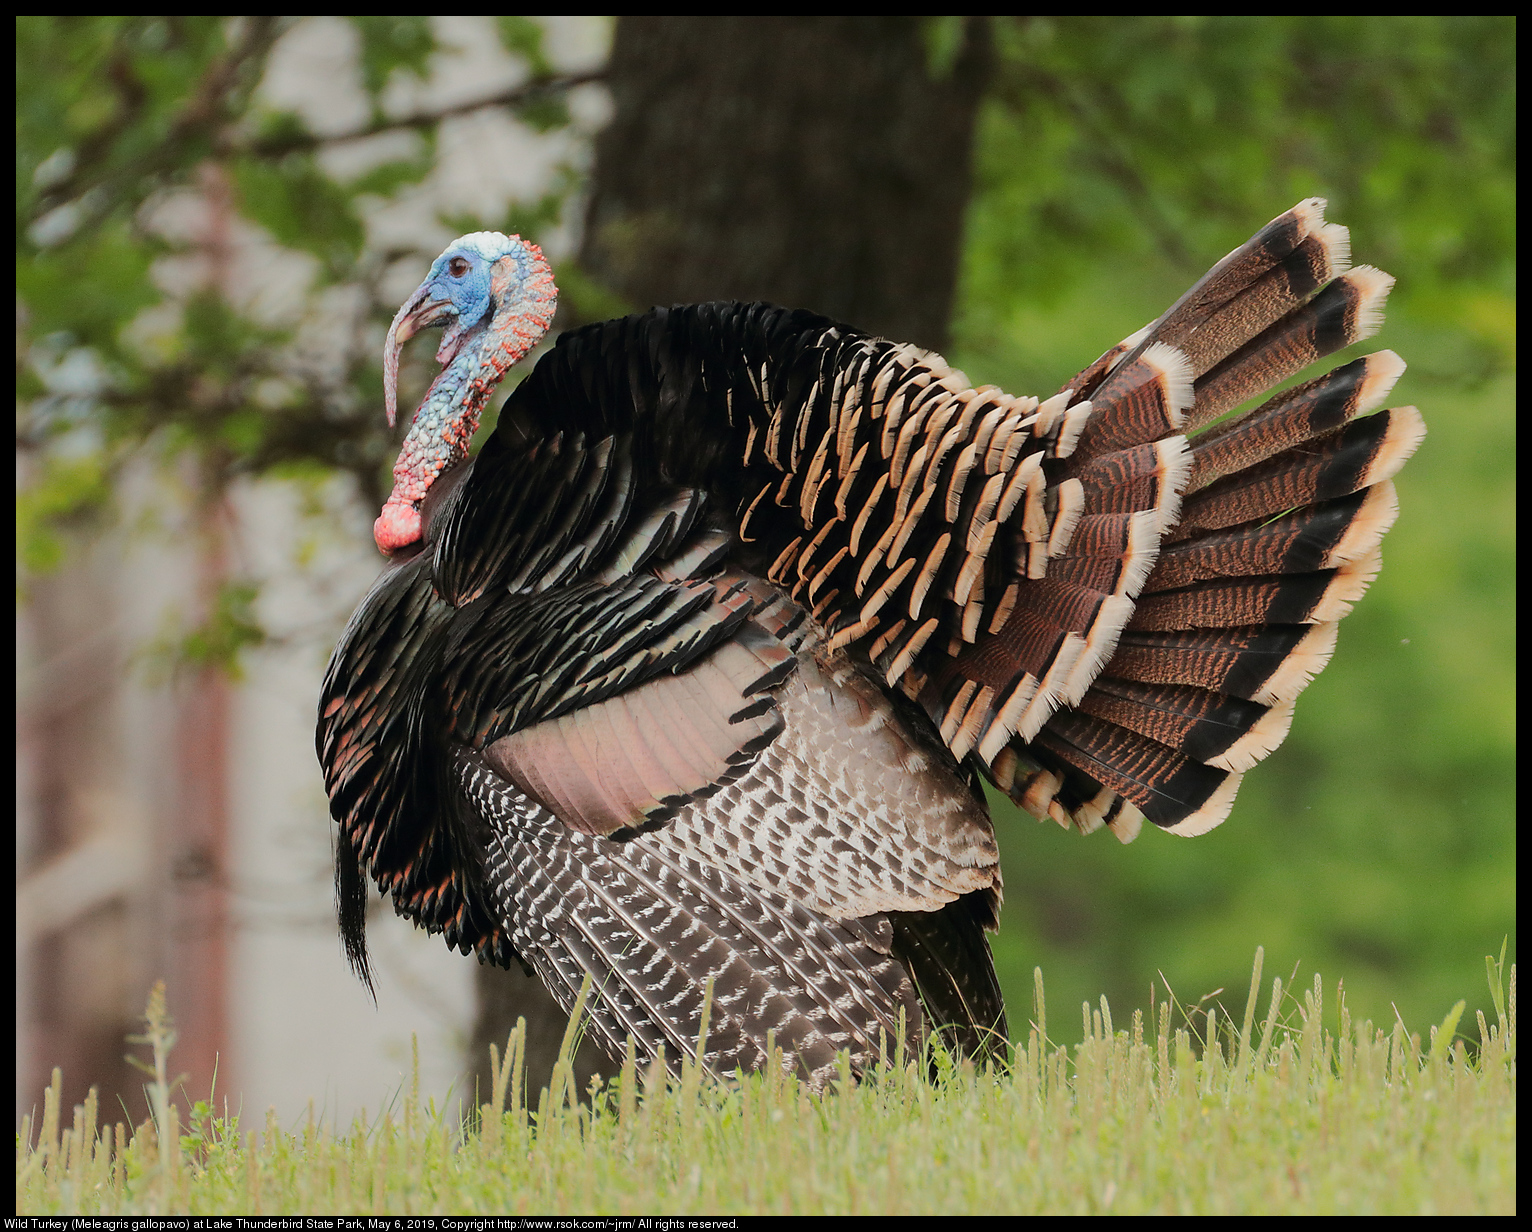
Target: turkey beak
(417,313)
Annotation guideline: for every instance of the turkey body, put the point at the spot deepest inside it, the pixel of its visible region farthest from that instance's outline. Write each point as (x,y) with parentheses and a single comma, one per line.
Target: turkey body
(688,682)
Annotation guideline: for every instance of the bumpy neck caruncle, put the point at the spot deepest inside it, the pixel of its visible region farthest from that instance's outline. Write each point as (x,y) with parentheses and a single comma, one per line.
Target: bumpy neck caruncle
(477,355)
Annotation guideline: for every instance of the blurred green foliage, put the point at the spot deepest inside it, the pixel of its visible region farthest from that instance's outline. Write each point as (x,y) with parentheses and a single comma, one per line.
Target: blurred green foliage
(1118,157)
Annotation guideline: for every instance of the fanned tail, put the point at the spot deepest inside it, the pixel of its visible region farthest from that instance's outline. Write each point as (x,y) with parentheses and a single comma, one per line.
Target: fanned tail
(1276,537)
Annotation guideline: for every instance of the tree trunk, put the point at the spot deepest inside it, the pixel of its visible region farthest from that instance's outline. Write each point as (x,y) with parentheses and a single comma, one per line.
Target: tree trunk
(816,162)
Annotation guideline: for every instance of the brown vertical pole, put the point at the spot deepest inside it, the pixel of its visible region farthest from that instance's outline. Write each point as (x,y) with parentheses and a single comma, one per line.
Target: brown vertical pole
(200,922)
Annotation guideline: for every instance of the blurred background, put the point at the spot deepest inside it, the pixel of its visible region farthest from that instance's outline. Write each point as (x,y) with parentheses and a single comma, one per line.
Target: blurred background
(216,218)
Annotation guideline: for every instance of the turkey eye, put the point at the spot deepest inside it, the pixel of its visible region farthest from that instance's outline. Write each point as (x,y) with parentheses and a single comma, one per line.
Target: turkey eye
(457,267)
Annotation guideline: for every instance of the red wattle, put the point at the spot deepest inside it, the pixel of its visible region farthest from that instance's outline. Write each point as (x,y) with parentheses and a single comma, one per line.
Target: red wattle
(397,527)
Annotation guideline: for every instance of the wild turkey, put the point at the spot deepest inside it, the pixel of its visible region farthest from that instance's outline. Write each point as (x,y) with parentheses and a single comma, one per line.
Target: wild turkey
(691,676)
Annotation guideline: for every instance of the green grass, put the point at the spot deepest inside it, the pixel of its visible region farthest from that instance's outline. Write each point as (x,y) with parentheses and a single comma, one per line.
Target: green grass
(1292,1110)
